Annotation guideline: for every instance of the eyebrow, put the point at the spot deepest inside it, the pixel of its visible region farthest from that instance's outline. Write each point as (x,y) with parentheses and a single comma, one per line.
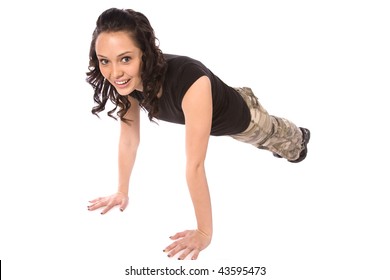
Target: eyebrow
(119,55)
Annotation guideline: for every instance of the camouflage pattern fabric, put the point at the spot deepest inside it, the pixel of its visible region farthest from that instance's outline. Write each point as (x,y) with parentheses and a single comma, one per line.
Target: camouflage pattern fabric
(271,133)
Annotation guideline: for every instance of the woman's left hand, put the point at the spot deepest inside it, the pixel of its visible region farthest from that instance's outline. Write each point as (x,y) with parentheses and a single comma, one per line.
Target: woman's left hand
(188,241)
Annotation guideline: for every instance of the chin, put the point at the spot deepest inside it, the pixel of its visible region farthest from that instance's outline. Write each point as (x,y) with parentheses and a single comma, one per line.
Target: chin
(124,93)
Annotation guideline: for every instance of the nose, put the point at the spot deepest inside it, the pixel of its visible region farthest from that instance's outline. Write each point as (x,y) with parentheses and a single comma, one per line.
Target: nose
(116,71)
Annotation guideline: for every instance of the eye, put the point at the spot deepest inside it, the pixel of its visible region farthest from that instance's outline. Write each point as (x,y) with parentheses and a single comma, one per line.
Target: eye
(103,61)
(126,59)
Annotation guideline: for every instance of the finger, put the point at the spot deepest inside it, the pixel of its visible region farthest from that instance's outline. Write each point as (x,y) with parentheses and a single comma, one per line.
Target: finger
(95,200)
(108,208)
(170,247)
(195,255)
(97,205)
(185,253)
(176,250)
(179,235)
(124,204)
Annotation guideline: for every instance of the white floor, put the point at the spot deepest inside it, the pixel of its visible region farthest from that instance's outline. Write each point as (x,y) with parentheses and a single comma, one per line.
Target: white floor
(323,66)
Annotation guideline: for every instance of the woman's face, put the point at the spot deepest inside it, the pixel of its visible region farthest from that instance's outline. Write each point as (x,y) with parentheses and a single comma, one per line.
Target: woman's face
(119,61)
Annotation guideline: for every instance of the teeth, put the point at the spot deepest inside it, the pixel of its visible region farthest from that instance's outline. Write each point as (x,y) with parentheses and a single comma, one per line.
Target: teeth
(121,82)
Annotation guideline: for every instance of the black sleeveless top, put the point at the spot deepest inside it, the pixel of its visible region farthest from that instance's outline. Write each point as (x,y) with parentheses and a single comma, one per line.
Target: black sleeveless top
(231,115)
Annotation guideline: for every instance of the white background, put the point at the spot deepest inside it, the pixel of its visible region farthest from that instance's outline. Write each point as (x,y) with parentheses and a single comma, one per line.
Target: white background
(322,64)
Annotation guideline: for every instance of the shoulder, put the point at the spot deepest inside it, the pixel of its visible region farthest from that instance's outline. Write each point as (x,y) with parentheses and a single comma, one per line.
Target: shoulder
(181,65)
(182,60)
(178,58)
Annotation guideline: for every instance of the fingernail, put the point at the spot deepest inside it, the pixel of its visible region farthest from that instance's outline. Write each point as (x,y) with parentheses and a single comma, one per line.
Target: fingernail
(164,250)
(101,213)
(179,259)
(121,209)
(169,256)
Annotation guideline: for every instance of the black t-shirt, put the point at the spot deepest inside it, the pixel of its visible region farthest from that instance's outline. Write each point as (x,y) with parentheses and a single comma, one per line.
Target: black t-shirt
(231,114)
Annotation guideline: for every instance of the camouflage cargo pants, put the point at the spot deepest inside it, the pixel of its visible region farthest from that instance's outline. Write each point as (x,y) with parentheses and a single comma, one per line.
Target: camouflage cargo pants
(268,132)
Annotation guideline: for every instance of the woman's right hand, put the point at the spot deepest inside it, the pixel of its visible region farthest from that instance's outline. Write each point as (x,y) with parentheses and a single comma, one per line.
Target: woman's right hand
(109,202)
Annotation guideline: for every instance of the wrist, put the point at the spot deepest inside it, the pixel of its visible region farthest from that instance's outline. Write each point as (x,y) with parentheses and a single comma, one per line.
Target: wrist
(122,190)
(206,234)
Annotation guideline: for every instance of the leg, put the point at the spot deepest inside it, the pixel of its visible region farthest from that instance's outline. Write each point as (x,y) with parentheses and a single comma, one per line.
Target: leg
(278,135)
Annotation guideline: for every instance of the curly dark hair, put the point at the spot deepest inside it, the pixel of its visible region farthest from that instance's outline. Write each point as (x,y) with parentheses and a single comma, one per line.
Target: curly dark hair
(153,65)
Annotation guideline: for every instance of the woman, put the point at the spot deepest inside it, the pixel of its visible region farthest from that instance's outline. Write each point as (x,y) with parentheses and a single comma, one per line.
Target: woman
(128,68)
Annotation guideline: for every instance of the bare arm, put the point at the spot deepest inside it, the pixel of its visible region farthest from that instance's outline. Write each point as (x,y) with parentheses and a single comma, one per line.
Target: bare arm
(197,107)
(128,144)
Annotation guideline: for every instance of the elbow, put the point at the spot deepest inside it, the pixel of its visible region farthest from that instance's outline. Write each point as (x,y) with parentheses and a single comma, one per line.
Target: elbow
(196,175)
(132,144)
(194,167)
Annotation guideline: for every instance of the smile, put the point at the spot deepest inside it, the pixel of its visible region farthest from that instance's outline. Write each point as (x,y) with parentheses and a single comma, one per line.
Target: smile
(121,83)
